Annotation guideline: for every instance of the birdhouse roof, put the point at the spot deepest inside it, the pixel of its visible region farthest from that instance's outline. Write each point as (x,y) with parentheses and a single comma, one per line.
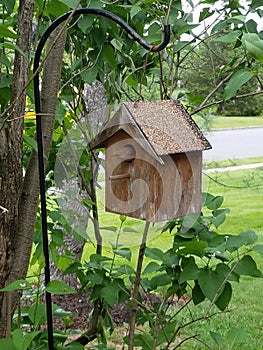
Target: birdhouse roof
(164,127)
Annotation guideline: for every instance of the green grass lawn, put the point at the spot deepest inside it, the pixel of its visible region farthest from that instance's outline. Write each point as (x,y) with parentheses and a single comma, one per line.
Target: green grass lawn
(227,122)
(235,122)
(232,162)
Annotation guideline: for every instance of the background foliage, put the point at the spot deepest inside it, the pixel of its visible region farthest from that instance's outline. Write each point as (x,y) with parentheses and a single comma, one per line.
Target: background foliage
(213,63)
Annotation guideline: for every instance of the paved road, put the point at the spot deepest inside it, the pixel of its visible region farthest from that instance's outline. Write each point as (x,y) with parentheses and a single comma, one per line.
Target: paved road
(234,143)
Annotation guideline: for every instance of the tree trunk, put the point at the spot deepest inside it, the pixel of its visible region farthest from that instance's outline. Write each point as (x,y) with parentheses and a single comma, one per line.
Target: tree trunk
(11,141)
(21,197)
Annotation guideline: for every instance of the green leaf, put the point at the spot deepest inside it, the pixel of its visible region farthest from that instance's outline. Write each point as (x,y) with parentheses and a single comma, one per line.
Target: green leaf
(181,26)
(181,44)
(70,3)
(258,249)
(233,242)
(213,203)
(109,55)
(248,237)
(212,283)
(206,198)
(123,252)
(238,79)
(236,336)
(131,81)
(9,5)
(225,297)
(197,294)
(37,314)
(247,266)
(166,332)
(73,268)
(255,4)
(117,43)
(99,258)
(59,287)
(7,344)
(16,285)
(223,256)
(152,267)
(63,262)
(190,271)
(14,47)
(129,229)
(29,337)
(209,283)
(63,313)
(253,46)
(18,338)
(218,219)
(85,23)
(160,280)
(96,278)
(89,75)
(30,141)
(95,4)
(205,13)
(134,10)
(110,293)
(251,26)
(56,8)
(7,33)
(88,203)
(109,228)
(194,247)
(226,24)
(154,253)
(144,340)
(189,221)
(74,346)
(218,339)
(230,37)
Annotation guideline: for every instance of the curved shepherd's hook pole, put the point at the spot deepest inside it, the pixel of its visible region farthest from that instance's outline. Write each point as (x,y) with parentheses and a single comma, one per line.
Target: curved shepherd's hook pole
(41,166)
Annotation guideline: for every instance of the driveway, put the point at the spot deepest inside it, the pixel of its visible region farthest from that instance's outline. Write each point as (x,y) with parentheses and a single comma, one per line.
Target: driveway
(234,143)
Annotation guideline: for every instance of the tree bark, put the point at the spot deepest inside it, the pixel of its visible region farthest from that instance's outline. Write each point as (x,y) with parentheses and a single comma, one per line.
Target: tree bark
(26,193)
(11,142)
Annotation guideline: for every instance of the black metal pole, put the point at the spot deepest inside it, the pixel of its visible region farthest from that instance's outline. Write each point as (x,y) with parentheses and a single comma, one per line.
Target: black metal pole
(41,164)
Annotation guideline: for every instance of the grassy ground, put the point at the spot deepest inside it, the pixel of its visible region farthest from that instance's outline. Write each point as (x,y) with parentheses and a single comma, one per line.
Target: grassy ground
(236,122)
(227,122)
(232,162)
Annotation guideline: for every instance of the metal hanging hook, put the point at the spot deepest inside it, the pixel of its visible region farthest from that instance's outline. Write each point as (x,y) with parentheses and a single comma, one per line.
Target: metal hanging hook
(41,166)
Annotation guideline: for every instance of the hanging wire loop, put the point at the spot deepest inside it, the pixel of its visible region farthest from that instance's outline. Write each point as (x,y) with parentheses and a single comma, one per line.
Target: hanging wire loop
(41,166)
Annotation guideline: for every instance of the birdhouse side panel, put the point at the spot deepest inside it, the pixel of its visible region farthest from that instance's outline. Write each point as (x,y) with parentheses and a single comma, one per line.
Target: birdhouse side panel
(181,176)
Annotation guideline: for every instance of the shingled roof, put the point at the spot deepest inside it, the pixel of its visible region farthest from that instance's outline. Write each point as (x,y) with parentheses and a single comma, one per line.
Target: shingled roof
(164,125)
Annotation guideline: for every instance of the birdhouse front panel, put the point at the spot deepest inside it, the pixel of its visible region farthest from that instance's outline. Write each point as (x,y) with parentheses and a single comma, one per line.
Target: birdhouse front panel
(139,186)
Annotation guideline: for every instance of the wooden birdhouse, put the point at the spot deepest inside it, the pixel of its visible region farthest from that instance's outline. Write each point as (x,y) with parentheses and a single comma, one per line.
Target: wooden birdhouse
(153,161)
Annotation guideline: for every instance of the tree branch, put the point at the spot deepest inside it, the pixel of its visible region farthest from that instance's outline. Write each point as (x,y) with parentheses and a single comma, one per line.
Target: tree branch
(201,107)
(135,290)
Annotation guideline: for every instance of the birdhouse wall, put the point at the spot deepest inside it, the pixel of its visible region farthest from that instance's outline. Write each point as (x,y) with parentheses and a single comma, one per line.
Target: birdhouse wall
(138,185)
